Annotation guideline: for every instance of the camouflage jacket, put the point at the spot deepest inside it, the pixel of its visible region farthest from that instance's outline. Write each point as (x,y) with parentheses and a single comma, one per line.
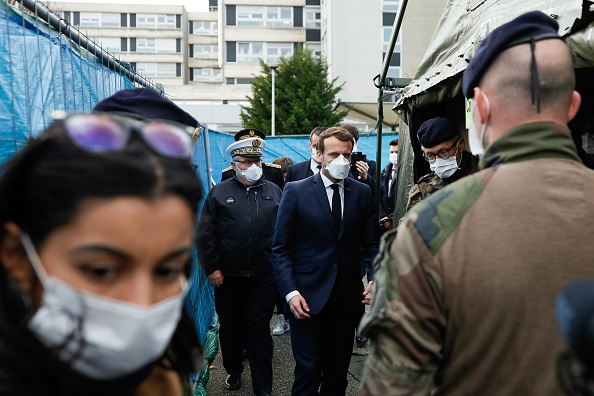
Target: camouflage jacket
(464,288)
(431,183)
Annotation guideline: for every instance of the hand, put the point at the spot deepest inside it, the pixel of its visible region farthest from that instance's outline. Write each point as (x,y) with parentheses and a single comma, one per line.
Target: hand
(299,307)
(367,293)
(363,168)
(388,225)
(216,278)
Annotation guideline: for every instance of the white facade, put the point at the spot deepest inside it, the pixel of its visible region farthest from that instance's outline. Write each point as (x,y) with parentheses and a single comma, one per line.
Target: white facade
(206,60)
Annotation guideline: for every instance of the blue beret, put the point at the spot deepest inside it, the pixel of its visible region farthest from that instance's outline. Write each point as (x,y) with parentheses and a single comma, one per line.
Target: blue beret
(530,26)
(436,131)
(147,103)
(249,133)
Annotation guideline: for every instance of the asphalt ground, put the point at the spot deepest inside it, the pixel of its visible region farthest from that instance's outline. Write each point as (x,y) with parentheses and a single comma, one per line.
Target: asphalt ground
(283,365)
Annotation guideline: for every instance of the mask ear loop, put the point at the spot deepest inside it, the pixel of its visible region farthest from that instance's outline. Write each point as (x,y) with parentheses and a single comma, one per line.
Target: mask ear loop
(76,335)
(484,127)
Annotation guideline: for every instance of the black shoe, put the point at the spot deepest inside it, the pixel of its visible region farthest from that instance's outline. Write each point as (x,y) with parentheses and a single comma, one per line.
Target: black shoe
(233,382)
(263,393)
(362,342)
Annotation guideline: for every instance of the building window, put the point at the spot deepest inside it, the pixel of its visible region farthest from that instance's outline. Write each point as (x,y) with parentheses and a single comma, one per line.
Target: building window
(152,45)
(205,51)
(313,17)
(156,69)
(206,28)
(387,31)
(99,19)
(390,5)
(270,53)
(315,48)
(155,21)
(110,43)
(264,16)
(207,74)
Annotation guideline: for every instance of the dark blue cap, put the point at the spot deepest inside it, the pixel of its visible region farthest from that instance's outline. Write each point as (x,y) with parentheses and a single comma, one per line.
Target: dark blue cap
(528,27)
(436,131)
(249,133)
(147,103)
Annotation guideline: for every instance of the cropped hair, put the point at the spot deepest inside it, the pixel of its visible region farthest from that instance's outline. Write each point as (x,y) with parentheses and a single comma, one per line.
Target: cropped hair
(352,130)
(316,131)
(284,162)
(394,142)
(338,132)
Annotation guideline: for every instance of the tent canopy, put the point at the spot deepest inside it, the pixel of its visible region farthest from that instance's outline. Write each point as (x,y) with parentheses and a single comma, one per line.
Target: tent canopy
(367,113)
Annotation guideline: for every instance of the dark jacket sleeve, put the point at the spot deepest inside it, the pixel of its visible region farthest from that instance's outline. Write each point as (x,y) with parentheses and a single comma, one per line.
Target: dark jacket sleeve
(370,245)
(208,243)
(282,244)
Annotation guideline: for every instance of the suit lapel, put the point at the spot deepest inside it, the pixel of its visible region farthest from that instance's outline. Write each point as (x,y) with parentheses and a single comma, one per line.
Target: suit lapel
(308,171)
(320,191)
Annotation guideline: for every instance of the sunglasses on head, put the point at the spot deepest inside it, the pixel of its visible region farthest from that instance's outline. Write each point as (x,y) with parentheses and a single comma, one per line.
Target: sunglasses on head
(103,133)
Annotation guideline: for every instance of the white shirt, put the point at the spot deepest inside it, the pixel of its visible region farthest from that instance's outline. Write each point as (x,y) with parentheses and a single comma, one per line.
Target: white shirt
(329,192)
(313,165)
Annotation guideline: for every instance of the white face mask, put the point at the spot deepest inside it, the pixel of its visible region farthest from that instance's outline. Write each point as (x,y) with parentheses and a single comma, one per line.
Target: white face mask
(314,155)
(339,168)
(253,173)
(476,140)
(444,167)
(97,336)
(394,158)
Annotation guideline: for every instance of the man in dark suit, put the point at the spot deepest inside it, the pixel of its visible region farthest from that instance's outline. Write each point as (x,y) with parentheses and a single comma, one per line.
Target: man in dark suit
(312,166)
(326,230)
(362,171)
(272,172)
(388,186)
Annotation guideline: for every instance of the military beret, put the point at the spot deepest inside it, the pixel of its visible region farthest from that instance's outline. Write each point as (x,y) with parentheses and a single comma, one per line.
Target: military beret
(531,26)
(249,133)
(147,103)
(436,131)
(250,147)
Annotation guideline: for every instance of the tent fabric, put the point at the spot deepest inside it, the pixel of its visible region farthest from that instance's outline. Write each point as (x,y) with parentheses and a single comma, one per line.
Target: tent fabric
(41,71)
(295,147)
(367,112)
(462,28)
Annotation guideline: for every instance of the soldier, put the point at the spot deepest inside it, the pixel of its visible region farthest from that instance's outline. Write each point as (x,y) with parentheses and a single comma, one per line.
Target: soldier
(272,172)
(464,294)
(443,147)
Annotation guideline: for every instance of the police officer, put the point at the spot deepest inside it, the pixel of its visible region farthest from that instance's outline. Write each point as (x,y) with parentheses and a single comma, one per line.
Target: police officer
(273,172)
(443,147)
(234,240)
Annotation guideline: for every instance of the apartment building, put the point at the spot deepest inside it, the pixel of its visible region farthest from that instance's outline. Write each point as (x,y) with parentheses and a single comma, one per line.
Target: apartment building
(206,60)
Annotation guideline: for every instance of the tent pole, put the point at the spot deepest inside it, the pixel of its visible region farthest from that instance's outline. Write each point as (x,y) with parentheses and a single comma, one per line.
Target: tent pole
(380,99)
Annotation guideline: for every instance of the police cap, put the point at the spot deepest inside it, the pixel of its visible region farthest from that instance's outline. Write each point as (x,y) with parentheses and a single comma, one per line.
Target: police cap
(249,133)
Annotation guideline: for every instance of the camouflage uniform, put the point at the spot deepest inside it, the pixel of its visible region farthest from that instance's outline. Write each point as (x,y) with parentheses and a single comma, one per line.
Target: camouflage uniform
(464,289)
(431,183)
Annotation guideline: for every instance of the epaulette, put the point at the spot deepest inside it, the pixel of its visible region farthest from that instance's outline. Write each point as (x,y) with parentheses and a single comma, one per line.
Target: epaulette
(425,178)
(227,169)
(272,165)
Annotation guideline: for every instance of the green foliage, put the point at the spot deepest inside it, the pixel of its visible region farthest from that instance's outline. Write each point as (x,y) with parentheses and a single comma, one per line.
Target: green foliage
(304,96)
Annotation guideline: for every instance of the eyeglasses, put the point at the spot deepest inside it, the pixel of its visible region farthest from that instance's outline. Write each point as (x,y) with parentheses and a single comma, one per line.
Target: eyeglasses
(247,162)
(103,133)
(443,153)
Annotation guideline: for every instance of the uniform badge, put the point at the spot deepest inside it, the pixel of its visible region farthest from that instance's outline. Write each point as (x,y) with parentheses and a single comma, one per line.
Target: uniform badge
(252,133)
(230,201)
(256,143)
(267,198)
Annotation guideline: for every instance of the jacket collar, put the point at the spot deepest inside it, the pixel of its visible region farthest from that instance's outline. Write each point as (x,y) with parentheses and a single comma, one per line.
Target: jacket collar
(531,141)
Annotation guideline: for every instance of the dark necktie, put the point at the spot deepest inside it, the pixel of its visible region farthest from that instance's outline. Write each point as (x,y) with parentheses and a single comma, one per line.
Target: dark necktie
(336,206)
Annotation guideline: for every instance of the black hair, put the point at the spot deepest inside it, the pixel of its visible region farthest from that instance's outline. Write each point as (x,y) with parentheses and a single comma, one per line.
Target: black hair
(352,130)
(45,185)
(394,142)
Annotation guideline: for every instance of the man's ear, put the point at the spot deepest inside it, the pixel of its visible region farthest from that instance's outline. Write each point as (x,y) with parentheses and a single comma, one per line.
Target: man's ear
(462,144)
(14,258)
(576,101)
(481,104)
